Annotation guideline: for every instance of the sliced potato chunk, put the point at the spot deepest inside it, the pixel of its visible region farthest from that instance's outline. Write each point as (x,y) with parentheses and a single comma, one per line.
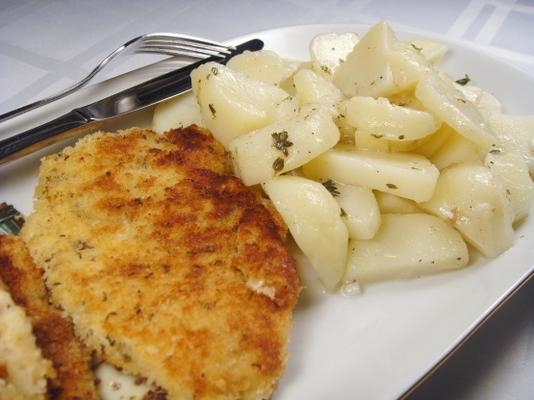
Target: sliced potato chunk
(406,175)
(469,197)
(313,218)
(359,208)
(440,96)
(232,104)
(515,134)
(407,64)
(406,246)
(280,147)
(513,173)
(366,71)
(329,50)
(391,204)
(312,88)
(484,101)
(370,141)
(456,150)
(264,65)
(177,112)
(433,51)
(381,118)
(431,144)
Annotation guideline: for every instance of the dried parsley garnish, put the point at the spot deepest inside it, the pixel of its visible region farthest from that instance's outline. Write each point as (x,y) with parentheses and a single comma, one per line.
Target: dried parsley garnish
(464,81)
(415,47)
(281,142)
(212,109)
(330,185)
(391,186)
(278,164)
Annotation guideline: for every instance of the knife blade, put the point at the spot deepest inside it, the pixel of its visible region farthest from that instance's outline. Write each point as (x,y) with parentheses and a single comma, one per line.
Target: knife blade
(91,117)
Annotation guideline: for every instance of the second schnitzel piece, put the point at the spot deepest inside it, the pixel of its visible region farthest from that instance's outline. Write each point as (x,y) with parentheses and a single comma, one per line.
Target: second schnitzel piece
(169,268)
(54,334)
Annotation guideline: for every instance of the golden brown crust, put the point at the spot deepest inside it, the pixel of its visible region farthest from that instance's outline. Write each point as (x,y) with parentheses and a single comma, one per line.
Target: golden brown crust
(53,333)
(191,284)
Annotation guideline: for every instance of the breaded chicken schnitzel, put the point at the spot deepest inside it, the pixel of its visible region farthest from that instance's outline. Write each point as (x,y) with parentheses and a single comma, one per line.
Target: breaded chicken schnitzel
(54,334)
(23,369)
(169,268)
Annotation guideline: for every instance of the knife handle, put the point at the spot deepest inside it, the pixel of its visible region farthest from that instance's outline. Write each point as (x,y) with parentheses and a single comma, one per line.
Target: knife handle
(69,125)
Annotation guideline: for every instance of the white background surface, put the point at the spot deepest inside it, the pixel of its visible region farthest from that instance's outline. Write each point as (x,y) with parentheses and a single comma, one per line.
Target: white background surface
(46,45)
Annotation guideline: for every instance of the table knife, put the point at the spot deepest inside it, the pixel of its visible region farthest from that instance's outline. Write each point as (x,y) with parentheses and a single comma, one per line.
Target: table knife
(92,116)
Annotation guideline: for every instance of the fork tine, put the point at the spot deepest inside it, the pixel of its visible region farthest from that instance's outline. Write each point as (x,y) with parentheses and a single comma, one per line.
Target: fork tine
(176,52)
(181,48)
(185,43)
(187,39)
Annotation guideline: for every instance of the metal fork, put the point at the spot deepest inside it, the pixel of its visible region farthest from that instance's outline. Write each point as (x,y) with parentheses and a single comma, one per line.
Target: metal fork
(170,44)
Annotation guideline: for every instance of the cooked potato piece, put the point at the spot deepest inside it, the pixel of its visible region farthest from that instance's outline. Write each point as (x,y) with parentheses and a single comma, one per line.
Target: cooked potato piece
(381,118)
(469,197)
(456,150)
(264,65)
(484,101)
(359,208)
(370,142)
(232,104)
(280,147)
(287,108)
(431,144)
(313,218)
(431,50)
(366,71)
(488,104)
(329,50)
(515,134)
(406,99)
(407,65)
(177,112)
(406,175)
(391,204)
(440,96)
(512,172)
(401,146)
(406,246)
(312,88)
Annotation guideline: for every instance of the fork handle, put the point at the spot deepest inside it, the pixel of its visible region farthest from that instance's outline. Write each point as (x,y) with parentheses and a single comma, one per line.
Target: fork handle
(69,125)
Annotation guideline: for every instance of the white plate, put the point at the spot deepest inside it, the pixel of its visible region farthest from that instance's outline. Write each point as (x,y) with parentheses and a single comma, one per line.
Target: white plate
(374,346)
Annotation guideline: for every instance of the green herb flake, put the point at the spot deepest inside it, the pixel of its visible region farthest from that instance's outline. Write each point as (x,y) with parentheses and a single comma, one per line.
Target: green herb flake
(464,81)
(278,164)
(377,136)
(342,213)
(415,47)
(212,109)
(461,100)
(331,186)
(325,69)
(214,71)
(391,186)
(495,151)
(401,137)
(281,142)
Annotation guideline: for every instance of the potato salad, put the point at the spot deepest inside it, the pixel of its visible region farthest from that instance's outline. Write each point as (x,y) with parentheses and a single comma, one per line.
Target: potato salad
(381,165)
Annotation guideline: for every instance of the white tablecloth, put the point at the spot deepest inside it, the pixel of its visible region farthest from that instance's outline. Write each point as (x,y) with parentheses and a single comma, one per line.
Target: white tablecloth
(47,45)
